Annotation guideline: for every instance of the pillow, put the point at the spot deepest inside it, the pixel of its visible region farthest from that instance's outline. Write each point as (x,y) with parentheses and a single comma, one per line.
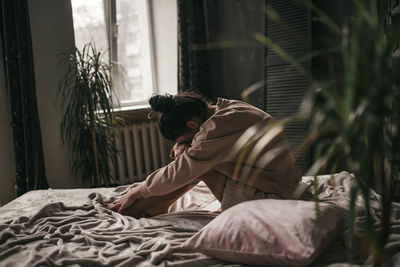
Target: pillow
(270,232)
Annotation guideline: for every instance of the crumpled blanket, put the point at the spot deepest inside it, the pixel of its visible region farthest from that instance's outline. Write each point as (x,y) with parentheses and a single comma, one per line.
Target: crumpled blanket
(336,189)
(87,234)
(72,228)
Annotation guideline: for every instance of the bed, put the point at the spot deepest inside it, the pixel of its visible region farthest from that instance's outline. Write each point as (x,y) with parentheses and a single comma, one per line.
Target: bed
(72,228)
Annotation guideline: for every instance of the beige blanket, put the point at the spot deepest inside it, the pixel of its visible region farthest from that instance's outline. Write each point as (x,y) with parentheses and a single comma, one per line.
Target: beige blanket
(72,228)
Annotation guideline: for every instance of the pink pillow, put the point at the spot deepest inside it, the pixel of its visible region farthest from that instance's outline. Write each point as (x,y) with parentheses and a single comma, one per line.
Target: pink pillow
(270,232)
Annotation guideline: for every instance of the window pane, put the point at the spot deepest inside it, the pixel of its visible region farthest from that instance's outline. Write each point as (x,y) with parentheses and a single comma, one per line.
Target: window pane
(134,50)
(133,43)
(89,23)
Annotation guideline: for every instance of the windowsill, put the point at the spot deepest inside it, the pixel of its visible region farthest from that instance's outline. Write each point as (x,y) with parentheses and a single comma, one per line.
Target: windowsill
(133,113)
(132,108)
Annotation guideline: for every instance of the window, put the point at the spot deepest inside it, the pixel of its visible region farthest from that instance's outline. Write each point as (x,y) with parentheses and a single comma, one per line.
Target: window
(122,27)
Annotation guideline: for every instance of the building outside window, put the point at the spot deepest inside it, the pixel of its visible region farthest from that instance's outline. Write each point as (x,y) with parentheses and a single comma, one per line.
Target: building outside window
(122,27)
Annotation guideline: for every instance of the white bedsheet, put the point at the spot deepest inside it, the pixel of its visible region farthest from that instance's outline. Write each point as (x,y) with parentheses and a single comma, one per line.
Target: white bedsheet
(72,228)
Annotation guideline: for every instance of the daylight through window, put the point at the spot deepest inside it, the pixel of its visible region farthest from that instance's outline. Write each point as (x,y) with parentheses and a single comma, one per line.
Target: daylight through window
(123,28)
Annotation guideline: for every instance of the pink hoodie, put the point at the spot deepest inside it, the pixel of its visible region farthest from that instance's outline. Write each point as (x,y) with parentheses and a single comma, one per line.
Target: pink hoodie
(212,149)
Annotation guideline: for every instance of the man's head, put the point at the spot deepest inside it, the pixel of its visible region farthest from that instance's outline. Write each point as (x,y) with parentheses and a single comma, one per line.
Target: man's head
(181,115)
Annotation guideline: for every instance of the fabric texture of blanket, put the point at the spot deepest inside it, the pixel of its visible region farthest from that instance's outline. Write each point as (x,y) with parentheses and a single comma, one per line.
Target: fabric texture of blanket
(72,228)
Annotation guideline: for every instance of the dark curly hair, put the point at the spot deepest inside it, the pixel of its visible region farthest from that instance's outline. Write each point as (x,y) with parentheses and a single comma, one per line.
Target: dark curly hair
(177,110)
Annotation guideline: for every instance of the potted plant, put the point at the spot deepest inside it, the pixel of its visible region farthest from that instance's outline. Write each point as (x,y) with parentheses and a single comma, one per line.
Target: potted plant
(88,123)
(354,117)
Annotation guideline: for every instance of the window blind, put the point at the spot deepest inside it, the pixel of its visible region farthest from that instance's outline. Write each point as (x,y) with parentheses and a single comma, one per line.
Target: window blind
(285,87)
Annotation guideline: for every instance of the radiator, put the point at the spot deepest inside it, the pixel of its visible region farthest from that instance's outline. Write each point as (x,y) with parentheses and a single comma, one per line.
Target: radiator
(141,151)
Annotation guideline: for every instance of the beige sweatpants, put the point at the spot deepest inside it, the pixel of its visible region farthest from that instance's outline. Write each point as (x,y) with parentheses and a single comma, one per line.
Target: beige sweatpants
(235,193)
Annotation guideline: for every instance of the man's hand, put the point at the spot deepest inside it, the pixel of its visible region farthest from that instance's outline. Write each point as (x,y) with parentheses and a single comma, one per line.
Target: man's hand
(125,201)
(178,150)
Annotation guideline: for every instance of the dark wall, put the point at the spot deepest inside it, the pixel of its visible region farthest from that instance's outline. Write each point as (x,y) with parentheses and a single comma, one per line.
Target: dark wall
(238,62)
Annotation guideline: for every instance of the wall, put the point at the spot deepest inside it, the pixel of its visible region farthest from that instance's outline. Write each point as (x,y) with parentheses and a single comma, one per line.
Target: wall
(7,191)
(52,36)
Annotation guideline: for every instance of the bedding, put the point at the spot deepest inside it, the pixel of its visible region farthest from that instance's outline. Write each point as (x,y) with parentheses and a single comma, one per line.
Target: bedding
(270,232)
(72,228)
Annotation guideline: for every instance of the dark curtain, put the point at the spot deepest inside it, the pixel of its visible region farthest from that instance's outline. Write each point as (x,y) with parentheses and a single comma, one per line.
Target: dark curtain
(16,43)
(193,72)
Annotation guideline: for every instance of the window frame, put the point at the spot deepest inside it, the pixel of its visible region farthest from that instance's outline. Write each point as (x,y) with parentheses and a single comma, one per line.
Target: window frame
(162,21)
(110,10)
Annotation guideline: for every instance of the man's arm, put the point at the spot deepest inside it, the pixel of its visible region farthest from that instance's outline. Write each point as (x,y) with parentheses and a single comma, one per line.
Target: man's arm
(133,204)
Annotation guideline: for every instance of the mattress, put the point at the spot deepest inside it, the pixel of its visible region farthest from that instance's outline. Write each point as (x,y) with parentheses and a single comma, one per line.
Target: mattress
(70,227)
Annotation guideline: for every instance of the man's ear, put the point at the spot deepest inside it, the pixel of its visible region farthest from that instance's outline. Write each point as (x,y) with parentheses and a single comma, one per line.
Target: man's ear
(193,125)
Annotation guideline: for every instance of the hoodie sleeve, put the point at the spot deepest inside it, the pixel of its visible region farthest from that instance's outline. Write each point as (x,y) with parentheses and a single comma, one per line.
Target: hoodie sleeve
(210,147)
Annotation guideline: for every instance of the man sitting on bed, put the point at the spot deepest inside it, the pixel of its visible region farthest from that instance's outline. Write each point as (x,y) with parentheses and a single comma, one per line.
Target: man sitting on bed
(205,135)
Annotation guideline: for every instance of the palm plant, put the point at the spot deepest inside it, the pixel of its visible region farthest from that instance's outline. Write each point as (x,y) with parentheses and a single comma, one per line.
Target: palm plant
(89,121)
(354,117)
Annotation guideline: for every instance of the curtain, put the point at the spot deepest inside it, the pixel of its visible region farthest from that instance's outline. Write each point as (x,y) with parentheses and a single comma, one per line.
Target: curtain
(193,72)
(16,43)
